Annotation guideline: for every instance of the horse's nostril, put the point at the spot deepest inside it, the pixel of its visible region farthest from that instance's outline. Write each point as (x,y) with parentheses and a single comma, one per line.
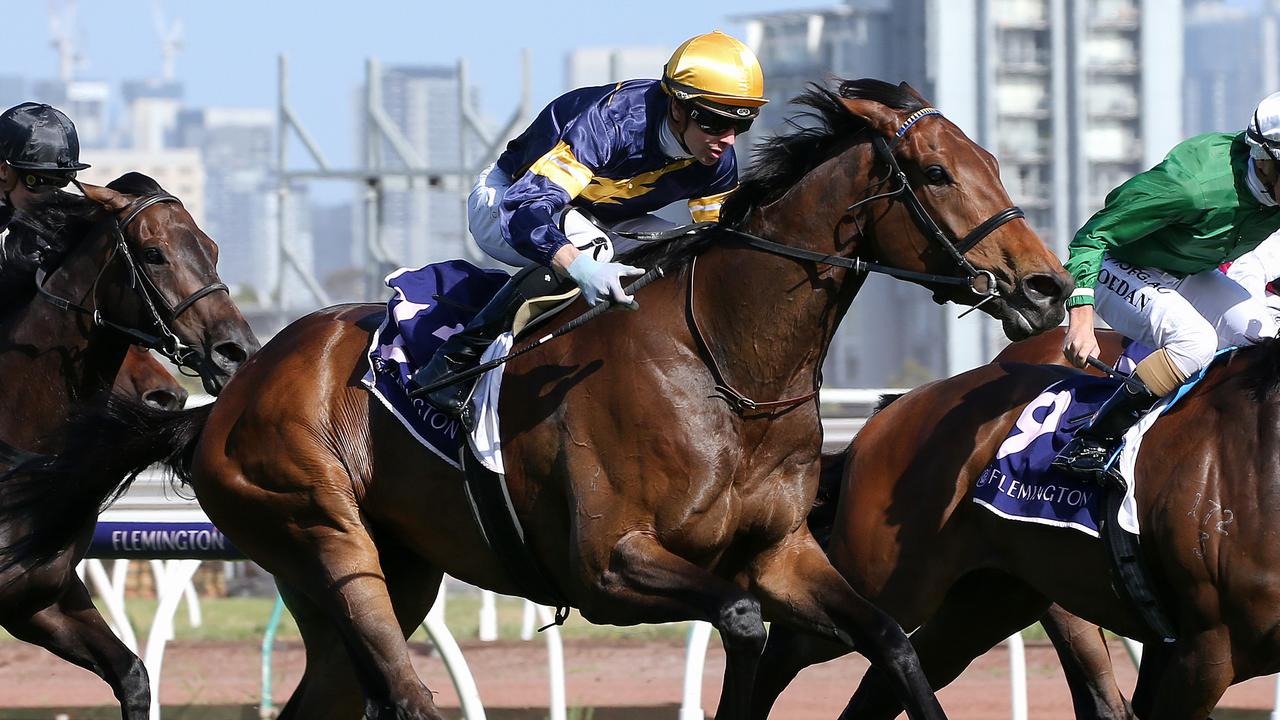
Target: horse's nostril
(1043,286)
(162,399)
(230,354)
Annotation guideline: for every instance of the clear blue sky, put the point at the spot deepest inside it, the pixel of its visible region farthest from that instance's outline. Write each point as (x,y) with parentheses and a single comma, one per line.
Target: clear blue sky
(230,46)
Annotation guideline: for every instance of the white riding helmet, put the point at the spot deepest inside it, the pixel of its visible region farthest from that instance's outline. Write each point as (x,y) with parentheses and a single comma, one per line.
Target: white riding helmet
(1263,131)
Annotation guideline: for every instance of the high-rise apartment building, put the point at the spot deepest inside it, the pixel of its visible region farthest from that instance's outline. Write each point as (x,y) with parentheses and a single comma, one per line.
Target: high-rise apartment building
(237,145)
(424,218)
(1232,62)
(1072,96)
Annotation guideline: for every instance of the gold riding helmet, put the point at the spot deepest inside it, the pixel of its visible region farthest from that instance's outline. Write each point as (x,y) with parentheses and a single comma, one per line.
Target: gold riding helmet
(718,73)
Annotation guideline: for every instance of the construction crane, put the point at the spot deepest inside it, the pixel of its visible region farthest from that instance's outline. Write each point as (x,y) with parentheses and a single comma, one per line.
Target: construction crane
(64,32)
(170,34)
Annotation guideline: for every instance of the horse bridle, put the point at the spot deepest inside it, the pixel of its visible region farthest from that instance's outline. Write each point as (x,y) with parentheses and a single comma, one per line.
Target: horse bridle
(923,220)
(166,342)
(743,404)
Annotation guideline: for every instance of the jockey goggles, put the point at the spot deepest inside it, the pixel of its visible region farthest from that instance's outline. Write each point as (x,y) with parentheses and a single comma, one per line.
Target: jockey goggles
(715,123)
(35,182)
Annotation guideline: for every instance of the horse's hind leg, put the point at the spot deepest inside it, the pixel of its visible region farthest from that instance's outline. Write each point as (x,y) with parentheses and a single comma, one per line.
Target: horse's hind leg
(1199,669)
(804,590)
(74,630)
(980,610)
(1086,661)
(329,687)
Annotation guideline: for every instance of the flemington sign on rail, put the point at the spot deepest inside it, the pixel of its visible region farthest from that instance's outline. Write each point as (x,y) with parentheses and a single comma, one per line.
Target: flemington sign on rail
(163,541)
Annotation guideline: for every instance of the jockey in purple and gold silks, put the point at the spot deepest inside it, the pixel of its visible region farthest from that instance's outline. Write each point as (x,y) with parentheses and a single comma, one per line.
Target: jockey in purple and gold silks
(605,149)
(604,156)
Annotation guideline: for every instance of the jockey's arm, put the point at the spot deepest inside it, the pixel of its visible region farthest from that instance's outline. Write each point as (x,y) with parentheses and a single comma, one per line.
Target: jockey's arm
(1258,267)
(1133,212)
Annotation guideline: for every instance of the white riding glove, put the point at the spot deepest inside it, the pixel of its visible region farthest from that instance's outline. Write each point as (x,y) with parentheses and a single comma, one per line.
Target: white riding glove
(603,280)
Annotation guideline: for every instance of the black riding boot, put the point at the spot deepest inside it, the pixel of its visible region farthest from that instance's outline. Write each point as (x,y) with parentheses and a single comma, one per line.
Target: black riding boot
(463,349)
(1092,446)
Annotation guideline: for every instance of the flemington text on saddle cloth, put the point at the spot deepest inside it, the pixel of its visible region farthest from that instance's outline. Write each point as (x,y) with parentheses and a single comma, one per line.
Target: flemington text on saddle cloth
(1020,484)
(427,306)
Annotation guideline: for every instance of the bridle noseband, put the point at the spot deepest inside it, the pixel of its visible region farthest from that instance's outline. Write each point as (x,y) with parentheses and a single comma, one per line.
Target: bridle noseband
(166,341)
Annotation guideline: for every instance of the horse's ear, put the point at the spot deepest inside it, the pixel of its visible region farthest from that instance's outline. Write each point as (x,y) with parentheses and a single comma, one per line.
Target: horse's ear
(906,87)
(106,197)
(878,115)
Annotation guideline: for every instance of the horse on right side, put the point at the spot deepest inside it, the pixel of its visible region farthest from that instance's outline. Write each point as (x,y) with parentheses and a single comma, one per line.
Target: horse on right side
(908,536)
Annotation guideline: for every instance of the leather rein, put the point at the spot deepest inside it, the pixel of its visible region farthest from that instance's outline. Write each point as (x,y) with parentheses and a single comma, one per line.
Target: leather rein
(743,404)
(165,341)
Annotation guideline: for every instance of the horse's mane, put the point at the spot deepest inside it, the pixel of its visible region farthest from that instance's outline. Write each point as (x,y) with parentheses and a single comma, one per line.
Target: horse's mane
(1262,378)
(816,134)
(782,159)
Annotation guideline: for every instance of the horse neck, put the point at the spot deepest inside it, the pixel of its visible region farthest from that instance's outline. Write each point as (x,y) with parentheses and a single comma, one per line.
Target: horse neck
(769,319)
(51,359)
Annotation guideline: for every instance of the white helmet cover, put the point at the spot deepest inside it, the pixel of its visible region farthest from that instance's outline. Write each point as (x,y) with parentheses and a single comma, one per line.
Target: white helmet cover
(1263,130)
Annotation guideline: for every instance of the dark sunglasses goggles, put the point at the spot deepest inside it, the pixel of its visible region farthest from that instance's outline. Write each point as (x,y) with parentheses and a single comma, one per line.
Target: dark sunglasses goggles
(713,123)
(35,182)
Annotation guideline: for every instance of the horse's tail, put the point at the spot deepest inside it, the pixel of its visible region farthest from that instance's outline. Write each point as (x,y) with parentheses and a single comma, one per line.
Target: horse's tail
(822,516)
(52,498)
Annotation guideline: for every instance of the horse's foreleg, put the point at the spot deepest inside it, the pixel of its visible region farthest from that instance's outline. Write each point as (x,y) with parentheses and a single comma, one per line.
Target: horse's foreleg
(644,582)
(1086,661)
(787,652)
(981,609)
(801,588)
(74,630)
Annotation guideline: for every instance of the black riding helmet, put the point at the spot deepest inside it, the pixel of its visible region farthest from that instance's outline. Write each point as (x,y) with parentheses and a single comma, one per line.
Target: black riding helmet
(39,137)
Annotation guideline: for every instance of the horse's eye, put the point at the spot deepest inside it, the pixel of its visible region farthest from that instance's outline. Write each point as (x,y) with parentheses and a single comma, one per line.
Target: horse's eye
(936,174)
(153,256)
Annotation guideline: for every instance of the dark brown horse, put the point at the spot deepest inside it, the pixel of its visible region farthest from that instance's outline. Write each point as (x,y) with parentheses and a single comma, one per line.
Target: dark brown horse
(142,376)
(908,535)
(1081,646)
(644,493)
(124,264)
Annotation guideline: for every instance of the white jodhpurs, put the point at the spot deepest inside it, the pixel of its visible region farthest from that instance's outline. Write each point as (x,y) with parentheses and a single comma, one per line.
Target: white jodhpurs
(1191,317)
(484,220)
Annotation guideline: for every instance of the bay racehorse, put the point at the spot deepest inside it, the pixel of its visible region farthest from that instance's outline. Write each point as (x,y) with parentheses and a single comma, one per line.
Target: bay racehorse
(142,376)
(121,265)
(661,462)
(1081,646)
(907,534)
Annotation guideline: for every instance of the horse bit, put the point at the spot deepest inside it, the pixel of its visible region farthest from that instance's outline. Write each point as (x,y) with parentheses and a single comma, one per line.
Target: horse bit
(167,343)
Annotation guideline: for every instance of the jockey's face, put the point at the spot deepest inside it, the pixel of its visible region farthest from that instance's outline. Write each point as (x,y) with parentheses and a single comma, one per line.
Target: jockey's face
(706,145)
(1269,174)
(21,187)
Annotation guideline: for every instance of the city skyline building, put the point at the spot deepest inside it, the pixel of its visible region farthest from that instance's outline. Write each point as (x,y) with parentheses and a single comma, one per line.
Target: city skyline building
(1223,88)
(423,219)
